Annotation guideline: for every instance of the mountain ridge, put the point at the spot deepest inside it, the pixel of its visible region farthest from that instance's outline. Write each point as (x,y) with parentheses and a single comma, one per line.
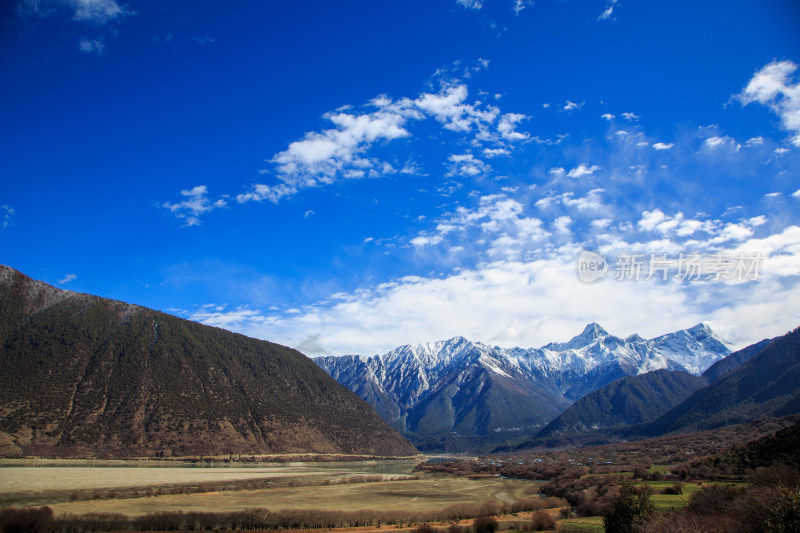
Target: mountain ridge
(88,376)
(514,390)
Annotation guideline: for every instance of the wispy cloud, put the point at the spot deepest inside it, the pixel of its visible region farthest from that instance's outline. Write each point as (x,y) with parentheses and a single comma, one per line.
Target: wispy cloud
(466,165)
(8,213)
(93,11)
(572,106)
(583,170)
(470,4)
(608,13)
(67,278)
(510,301)
(92,46)
(196,203)
(342,152)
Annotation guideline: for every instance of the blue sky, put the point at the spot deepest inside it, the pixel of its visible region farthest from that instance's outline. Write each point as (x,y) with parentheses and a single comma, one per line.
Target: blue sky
(345,178)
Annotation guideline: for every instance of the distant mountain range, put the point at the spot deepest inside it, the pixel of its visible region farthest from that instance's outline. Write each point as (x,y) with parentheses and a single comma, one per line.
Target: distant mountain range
(87,376)
(766,384)
(458,395)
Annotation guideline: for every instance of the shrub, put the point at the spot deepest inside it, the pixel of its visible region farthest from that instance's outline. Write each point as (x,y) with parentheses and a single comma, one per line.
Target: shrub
(30,520)
(485,524)
(631,511)
(784,515)
(713,499)
(775,476)
(565,512)
(676,488)
(542,521)
(424,528)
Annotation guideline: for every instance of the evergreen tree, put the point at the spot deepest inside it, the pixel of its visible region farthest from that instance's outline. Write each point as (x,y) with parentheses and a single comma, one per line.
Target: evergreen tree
(632,510)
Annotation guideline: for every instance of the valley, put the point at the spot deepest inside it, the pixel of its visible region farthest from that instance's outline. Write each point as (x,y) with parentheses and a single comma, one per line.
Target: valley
(120,418)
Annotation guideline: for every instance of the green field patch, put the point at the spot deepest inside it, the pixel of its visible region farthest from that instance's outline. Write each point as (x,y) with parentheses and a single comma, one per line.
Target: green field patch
(668,502)
(588,523)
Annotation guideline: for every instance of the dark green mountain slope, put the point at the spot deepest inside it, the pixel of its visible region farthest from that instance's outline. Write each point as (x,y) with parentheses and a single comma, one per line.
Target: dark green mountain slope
(733,361)
(766,385)
(624,402)
(471,403)
(81,375)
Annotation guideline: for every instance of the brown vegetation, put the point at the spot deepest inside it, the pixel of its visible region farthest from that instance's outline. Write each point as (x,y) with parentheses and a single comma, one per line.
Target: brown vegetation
(730,509)
(483,514)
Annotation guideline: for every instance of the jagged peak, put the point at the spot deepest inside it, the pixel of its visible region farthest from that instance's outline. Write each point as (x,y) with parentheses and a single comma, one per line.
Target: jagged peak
(701,328)
(594,330)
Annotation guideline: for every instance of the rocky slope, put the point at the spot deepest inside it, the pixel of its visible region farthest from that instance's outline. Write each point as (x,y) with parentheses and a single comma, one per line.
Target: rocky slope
(83,375)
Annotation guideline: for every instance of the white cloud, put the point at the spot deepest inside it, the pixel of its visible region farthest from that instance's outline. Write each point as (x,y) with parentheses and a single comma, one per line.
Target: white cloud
(607,116)
(796,193)
(93,11)
(196,203)
(98,11)
(774,87)
(470,4)
(781,150)
(8,213)
(601,224)
(562,224)
(719,142)
(426,240)
(324,157)
(92,46)
(679,225)
(467,165)
(608,13)
(754,141)
(519,5)
(772,195)
(67,278)
(631,116)
(507,127)
(663,146)
(583,170)
(591,202)
(571,106)
(495,152)
(498,222)
(529,303)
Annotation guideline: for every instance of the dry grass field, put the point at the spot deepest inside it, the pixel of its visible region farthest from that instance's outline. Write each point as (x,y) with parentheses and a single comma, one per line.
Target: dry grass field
(413,495)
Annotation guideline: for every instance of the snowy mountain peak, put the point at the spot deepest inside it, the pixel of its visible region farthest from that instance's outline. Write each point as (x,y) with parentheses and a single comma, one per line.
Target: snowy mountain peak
(695,348)
(442,387)
(591,333)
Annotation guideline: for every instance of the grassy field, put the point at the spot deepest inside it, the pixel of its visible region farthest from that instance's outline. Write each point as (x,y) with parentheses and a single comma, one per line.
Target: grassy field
(667,502)
(589,523)
(415,495)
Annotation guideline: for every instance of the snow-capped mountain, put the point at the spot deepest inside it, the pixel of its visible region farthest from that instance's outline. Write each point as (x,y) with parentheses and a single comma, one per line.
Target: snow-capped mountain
(457,388)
